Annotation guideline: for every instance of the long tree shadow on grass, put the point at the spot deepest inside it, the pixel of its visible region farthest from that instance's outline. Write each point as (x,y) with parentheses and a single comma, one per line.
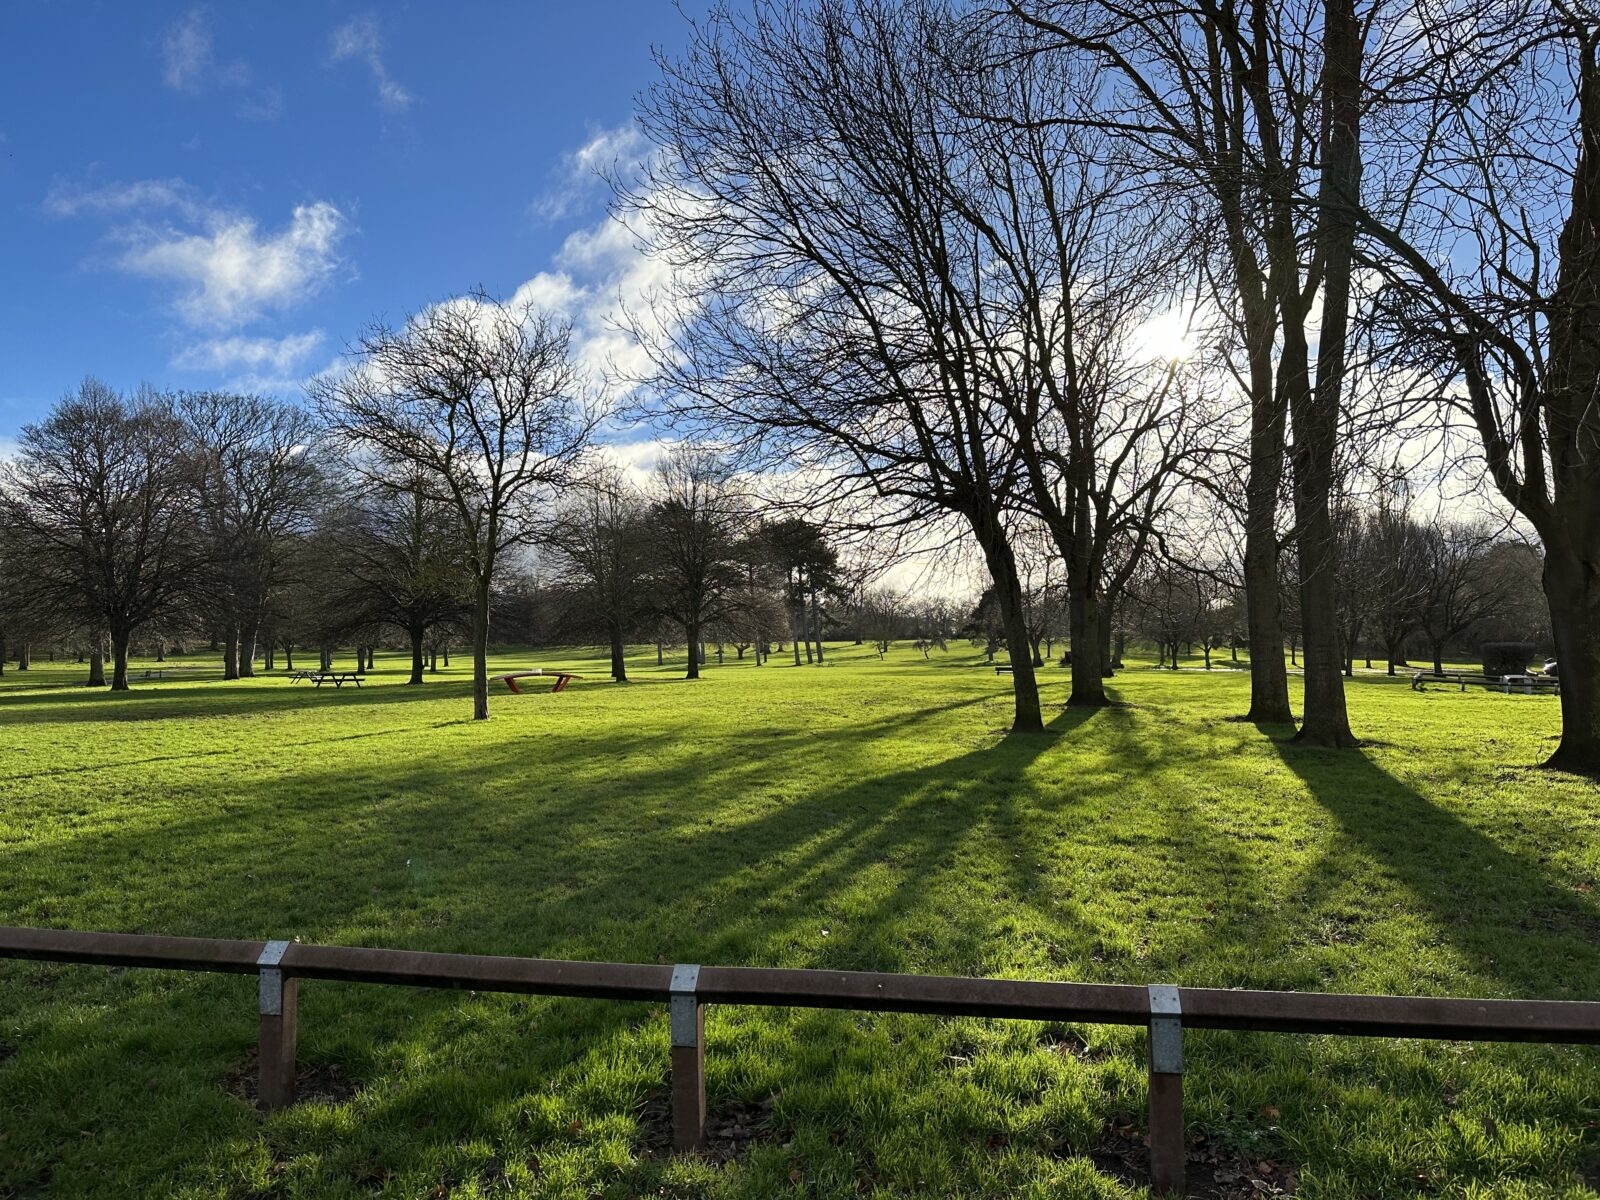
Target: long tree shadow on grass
(881,841)
(1516,927)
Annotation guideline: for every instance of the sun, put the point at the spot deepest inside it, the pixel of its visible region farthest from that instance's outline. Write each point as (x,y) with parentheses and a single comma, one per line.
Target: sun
(1165,337)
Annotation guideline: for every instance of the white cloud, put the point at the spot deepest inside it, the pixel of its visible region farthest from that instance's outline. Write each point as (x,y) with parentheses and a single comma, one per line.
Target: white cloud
(636,460)
(256,354)
(186,53)
(71,200)
(582,171)
(231,272)
(359,39)
(189,64)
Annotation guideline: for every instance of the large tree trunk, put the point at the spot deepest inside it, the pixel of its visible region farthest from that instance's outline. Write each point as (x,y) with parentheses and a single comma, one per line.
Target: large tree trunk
(97,666)
(1088,674)
(1269,677)
(230,652)
(1315,412)
(1572,587)
(418,662)
(480,652)
(1571,525)
(288,655)
(247,647)
(1027,716)
(691,633)
(619,662)
(119,660)
(1326,722)
(1263,603)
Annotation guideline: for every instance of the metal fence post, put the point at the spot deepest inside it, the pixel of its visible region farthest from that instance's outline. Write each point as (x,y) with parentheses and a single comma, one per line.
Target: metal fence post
(275,1054)
(1167,1149)
(688,1018)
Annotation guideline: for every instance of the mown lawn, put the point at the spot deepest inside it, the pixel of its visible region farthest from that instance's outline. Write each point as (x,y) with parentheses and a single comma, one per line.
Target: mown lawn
(858,815)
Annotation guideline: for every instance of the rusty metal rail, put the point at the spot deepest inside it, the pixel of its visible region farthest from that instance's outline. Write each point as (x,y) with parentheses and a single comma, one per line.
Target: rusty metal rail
(1166,1010)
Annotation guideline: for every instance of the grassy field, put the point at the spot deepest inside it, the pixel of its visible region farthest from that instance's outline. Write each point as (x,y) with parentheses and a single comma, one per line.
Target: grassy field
(859,815)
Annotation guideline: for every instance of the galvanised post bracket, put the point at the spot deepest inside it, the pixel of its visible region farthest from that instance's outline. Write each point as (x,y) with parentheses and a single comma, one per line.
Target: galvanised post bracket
(688,1021)
(271,989)
(1166,1030)
(275,1053)
(1167,1149)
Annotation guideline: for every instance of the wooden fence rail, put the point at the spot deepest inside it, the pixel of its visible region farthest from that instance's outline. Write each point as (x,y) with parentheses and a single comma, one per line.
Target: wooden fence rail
(1164,1009)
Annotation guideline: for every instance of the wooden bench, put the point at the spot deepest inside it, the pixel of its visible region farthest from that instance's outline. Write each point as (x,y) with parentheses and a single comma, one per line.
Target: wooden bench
(1002,670)
(161,672)
(297,676)
(562,678)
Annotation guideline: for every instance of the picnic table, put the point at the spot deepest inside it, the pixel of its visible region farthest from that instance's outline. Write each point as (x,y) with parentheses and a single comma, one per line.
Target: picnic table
(337,678)
(562,678)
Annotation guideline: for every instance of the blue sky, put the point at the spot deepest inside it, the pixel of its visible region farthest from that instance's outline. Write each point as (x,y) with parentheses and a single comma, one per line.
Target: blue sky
(222,195)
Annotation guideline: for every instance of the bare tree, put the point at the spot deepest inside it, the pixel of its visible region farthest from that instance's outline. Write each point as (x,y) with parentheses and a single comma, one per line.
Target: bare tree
(1107,426)
(400,564)
(1486,225)
(1258,106)
(810,567)
(824,275)
(697,521)
(256,485)
(479,400)
(97,503)
(599,538)
(1464,582)
(883,619)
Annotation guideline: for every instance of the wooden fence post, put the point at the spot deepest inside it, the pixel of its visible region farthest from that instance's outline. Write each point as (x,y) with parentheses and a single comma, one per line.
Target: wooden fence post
(1167,1144)
(688,1018)
(275,1051)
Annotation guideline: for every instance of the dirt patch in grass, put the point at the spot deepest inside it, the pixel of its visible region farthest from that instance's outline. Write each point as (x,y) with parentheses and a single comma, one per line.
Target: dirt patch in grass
(1069,1043)
(731,1129)
(1214,1171)
(314,1083)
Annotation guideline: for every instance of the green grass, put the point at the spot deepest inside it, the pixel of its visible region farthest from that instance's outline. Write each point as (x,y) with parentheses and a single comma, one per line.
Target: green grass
(859,815)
